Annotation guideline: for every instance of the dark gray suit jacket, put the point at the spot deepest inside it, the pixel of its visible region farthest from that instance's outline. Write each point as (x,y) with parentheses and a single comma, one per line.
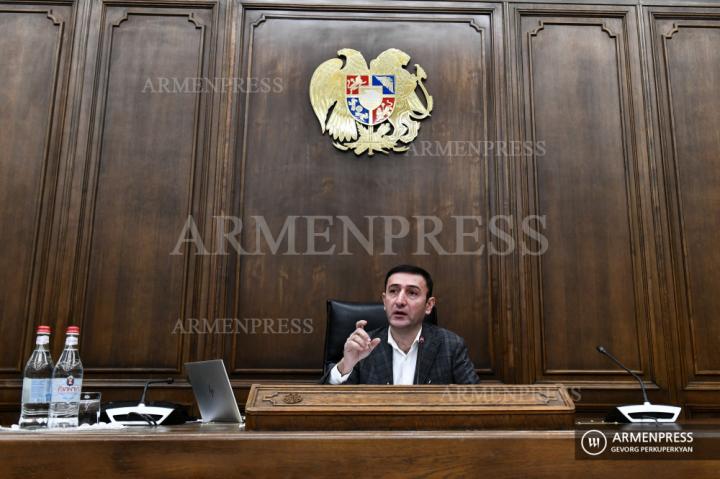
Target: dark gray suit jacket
(442,359)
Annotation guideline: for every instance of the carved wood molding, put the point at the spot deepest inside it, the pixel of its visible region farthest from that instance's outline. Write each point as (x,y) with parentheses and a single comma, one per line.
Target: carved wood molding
(676,26)
(542,23)
(125,13)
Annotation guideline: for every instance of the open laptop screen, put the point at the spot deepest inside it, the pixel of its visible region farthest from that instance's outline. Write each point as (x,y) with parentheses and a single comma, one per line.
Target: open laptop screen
(213,392)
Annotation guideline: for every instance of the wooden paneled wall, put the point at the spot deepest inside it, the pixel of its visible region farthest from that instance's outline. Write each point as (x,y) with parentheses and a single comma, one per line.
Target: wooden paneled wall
(102,164)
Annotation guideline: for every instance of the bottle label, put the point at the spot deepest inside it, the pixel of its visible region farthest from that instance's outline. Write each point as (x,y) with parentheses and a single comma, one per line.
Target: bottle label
(42,339)
(36,391)
(66,389)
(71,341)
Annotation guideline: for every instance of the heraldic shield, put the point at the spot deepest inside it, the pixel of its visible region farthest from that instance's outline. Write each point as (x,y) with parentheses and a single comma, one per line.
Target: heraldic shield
(370,110)
(370,99)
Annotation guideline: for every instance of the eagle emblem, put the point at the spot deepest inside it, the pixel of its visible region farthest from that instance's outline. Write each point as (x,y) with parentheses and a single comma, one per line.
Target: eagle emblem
(370,110)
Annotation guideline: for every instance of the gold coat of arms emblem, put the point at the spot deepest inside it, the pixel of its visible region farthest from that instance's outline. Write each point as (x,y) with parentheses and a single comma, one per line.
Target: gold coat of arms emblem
(370,110)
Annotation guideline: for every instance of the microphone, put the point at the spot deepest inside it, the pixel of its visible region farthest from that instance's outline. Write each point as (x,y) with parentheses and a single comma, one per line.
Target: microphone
(421,341)
(155,381)
(604,351)
(645,412)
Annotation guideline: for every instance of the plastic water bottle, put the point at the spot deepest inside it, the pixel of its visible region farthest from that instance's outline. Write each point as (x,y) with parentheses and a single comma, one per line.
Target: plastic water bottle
(36,383)
(67,384)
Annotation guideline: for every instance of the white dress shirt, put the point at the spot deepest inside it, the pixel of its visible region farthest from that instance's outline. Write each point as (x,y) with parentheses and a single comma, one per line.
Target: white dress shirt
(403,364)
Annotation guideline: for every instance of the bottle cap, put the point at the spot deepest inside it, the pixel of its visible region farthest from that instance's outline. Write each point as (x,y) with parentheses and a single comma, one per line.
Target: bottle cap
(73,330)
(43,330)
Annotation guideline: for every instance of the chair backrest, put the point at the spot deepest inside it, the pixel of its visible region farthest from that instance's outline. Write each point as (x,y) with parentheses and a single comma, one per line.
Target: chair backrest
(341,319)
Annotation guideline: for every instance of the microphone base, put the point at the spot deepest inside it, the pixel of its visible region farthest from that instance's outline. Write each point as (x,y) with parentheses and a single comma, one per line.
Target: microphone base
(646,412)
(131,413)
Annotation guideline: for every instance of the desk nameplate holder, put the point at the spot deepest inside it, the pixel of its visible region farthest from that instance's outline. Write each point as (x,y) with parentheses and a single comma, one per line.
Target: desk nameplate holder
(337,408)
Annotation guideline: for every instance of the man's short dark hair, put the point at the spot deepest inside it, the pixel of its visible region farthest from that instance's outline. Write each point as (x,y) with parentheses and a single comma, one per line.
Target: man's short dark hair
(408,268)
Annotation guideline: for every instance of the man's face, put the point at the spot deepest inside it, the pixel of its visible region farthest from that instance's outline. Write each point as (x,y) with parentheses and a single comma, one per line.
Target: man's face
(405,300)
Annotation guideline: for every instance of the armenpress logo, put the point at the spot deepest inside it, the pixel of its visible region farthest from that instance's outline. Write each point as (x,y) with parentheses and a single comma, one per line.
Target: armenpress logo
(593,442)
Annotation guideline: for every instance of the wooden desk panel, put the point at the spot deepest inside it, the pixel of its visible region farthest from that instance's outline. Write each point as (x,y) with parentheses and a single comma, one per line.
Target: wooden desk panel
(200,451)
(456,407)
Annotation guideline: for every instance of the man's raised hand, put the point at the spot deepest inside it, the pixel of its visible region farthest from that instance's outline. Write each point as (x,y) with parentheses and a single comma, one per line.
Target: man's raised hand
(357,347)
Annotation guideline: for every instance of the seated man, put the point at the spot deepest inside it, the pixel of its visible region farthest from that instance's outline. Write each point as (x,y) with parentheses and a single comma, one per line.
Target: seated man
(408,351)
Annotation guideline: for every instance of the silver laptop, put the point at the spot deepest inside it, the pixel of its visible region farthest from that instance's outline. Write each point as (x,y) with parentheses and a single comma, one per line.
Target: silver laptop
(213,392)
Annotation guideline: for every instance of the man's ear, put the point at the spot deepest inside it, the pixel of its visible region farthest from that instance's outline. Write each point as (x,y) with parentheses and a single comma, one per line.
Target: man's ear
(383,301)
(429,305)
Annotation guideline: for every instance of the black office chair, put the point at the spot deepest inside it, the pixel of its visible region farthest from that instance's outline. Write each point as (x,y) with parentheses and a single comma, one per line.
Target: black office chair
(341,319)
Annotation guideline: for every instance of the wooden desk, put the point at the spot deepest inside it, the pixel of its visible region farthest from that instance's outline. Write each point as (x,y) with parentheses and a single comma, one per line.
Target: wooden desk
(199,451)
(292,407)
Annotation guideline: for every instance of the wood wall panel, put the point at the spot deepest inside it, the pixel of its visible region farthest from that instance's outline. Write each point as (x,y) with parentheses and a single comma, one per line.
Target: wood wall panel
(97,178)
(687,64)
(576,109)
(148,157)
(278,179)
(34,41)
(591,287)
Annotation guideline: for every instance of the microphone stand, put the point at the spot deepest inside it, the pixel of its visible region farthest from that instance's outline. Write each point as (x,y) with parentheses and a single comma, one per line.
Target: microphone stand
(646,412)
